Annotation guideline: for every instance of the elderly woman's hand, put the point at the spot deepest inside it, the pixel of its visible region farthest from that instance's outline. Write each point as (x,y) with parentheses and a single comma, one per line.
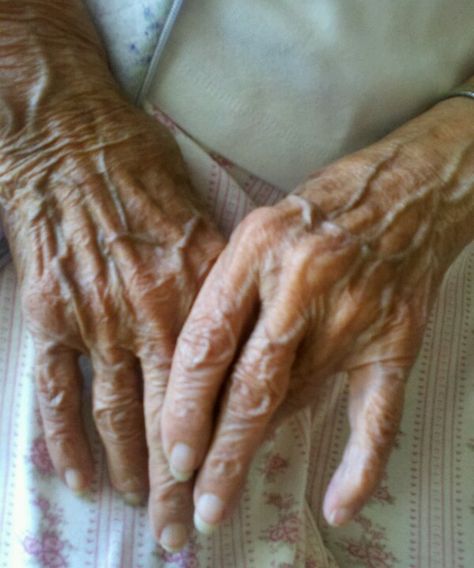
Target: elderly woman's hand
(110,245)
(339,276)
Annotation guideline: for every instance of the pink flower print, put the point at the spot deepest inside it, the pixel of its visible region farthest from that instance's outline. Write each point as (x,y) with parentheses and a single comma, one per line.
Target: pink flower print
(32,546)
(286,530)
(382,495)
(51,541)
(370,548)
(274,465)
(39,457)
(281,502)
(47,546)
(310,563)
(373,555)
(42,503)
(48,549)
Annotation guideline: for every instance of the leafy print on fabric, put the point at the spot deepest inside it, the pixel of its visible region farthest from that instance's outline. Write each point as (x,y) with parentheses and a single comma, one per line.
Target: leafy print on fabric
(48,546)
(370,549)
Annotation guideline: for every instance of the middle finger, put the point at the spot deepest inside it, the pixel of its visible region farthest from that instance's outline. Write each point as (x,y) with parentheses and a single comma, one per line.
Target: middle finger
(118,413)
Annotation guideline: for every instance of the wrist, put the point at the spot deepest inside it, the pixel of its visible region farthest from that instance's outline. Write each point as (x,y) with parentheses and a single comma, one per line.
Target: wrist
(413,189)
(46,48)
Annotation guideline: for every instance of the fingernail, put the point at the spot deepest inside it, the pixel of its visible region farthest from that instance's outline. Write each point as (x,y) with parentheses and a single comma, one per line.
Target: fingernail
(174,537)
(339,517)
(133,499)
(74,480)
(209,513)
(182,462)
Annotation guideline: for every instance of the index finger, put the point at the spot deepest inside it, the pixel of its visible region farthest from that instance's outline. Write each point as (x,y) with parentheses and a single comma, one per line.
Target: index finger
(205,350)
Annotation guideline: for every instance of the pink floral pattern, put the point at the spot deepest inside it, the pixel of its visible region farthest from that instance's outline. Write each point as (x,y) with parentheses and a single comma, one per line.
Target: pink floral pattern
(39,457)
(274,464)
(48,547)
(370,548)
(382,493)
(287,528)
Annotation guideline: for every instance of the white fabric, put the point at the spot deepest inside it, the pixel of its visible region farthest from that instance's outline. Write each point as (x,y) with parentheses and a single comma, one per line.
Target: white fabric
(130,31)
(282,87)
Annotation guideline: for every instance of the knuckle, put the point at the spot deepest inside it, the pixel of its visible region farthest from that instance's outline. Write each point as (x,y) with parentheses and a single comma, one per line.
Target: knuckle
(257,224)
(120,423)
(54,398)
(205,340)
(254,399)
(166,491)
(224,464)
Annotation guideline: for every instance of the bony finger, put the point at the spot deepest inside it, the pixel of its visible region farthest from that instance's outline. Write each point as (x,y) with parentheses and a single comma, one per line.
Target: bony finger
(58,379)
(170,503)
(257,387)
(118,414)
(204,353)
(375,409)
(241,429)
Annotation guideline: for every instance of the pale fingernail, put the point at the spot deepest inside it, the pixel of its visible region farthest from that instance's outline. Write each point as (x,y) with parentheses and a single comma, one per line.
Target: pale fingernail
(134,499)
(339,517)
(209,513)
(182,462)
(174,537)
(74,480)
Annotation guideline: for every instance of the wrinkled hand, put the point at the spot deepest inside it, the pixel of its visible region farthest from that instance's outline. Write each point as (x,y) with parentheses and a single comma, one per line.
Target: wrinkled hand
(339,276)
(111,247)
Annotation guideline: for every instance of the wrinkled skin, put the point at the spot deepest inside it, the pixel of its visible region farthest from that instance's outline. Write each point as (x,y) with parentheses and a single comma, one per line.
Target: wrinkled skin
(110,246)
(338,277)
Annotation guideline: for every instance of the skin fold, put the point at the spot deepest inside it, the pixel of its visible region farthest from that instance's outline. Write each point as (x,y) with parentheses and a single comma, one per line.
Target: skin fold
(111,248)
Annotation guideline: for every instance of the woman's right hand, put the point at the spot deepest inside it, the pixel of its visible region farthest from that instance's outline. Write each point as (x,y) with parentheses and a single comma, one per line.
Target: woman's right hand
(111,247)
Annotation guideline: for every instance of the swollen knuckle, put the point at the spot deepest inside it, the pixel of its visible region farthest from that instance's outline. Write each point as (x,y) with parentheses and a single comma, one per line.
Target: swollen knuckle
(204,341)
(225,465)
(53,397)
(120,423)
(167,492)
(253,399)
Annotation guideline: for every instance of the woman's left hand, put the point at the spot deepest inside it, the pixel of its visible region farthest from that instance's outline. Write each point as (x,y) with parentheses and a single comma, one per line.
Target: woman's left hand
(339,276)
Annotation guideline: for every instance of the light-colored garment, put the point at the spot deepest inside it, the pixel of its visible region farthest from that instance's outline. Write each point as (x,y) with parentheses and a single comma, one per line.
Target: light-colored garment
(131,31)
(282,87)
(422,515)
